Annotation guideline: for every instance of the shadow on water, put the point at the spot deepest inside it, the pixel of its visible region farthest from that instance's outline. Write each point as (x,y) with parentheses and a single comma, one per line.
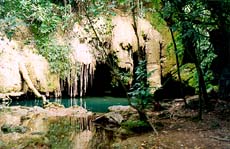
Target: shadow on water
(94,104)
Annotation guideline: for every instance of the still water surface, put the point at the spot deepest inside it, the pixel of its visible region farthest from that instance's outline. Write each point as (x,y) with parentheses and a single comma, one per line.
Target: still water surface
(94,104)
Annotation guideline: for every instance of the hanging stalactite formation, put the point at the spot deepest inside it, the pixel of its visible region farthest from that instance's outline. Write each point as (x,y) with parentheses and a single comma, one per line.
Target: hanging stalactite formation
(88,42)
(78,80)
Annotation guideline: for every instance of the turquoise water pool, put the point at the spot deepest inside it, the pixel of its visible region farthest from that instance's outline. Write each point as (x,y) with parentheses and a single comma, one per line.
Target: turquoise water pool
(94,104)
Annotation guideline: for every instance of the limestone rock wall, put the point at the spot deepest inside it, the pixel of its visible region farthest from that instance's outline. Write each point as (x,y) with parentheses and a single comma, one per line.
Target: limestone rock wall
(9,73)
(124,43)
(12,54)
(116,35)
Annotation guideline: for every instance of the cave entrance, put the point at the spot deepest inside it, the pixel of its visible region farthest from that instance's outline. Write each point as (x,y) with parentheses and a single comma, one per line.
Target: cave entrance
(102,83)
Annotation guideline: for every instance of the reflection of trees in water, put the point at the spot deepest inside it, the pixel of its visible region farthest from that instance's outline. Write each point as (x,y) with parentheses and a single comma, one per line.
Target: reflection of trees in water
(71,102)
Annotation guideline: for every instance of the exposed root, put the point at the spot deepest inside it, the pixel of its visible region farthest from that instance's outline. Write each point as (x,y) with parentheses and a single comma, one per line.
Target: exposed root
(220,139)
(26,77)
(151,124)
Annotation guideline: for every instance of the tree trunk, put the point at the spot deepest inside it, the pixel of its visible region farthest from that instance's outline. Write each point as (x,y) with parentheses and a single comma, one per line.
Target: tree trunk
(144,117)
(202,83)
(178,66)
(200,103)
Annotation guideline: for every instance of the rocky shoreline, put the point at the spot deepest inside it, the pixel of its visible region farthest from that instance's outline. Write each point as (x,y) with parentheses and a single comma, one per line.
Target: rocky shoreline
(29,127)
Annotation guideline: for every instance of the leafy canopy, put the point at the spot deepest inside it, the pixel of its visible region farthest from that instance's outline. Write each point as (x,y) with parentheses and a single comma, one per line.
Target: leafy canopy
(43,18)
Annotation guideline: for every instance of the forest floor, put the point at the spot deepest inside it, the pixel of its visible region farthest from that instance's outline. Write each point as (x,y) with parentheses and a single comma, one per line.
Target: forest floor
(180,129)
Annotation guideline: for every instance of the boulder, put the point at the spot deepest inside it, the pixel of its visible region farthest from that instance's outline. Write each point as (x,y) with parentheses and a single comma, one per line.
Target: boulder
(127,112)
(121,109)
(109,118)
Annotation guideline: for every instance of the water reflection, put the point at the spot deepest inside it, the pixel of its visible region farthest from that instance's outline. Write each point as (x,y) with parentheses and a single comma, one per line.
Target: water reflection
(95,104)
(69,102)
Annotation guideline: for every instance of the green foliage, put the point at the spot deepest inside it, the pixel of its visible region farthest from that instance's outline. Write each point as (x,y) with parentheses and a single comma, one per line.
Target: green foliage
(103,7)
(43,17)
(60,131)
(179,45)
(7,128)
(158,22)
(193,22)
(125,77)
(57,55)
(136,125)
(189,75)
(42,14)
(140,91)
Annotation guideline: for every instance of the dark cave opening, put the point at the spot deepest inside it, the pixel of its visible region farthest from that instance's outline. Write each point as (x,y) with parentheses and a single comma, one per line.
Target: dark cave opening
(102,83)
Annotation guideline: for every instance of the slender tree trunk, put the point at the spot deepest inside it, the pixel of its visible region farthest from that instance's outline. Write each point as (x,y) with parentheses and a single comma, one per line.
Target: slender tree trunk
(141,57)
(144,117)
(178,67)
(200,103)
(135,25)
(202,83)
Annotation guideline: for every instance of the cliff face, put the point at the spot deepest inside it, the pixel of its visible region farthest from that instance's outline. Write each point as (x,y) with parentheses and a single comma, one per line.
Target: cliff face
(117,36)
(9,72)
(13,55)
(124,41)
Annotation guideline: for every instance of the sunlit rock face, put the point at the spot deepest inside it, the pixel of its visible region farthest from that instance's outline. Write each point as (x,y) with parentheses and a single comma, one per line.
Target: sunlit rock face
(13,54)
(124,43)
(114,35)
(38,69)
(153,45)
(82,59)
(10,79)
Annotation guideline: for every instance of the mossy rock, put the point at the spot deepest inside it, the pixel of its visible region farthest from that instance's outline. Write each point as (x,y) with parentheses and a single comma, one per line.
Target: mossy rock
(8,128)
(136,126)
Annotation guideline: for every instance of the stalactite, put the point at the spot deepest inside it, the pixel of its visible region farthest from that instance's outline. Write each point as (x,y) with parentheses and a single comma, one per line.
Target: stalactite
(62,85)
(80,78)
(81,81)
(75,90)
(57,92)
(69,84)
(85,79)
(91,74)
